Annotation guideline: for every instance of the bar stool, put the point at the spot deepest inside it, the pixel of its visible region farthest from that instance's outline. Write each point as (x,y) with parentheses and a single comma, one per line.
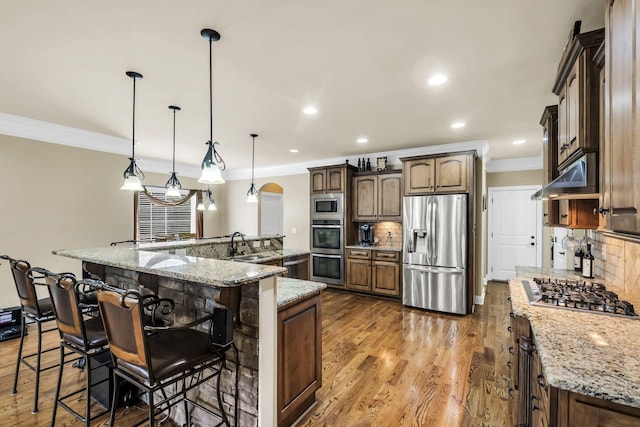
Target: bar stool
(154,358)
(36,311)
(81,335)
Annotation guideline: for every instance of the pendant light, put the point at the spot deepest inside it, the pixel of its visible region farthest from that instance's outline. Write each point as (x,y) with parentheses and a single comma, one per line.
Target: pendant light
(173,186)
(252,194)
(212,163)
(132,174)
(211,203)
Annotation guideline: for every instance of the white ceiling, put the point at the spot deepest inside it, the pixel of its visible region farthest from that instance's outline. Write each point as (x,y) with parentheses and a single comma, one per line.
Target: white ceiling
(363,63)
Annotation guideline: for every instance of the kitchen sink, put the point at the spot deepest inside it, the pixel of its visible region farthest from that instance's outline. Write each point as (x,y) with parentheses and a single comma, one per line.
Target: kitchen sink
(251,257)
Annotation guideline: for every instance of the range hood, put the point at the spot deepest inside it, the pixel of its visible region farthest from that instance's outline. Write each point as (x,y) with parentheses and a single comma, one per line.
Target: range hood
(579,180)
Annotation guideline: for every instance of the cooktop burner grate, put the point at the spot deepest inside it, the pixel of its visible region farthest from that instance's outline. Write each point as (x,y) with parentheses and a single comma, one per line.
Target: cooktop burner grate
(577,295)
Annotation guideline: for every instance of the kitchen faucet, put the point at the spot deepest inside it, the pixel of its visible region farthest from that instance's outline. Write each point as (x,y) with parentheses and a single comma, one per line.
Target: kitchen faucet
(233,248)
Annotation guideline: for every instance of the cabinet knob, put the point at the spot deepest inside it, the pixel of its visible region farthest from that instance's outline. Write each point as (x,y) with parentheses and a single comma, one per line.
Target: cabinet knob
(601,210)
(509,328)
(564,215)
(540,381)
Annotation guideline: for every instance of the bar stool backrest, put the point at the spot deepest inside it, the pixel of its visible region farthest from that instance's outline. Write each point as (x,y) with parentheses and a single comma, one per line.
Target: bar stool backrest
(124,326)
(25,287)
(64,299)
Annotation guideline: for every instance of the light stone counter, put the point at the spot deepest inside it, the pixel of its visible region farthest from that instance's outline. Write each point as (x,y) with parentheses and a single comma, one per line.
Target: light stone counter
(376,248)
(291,290)
(208,271)
(592,354)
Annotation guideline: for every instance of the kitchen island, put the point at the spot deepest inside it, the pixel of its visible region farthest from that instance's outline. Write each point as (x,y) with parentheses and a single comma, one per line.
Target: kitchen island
(197,284)
(571,367)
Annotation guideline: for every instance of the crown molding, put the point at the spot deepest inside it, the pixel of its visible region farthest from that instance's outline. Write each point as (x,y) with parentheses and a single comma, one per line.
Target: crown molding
(514,165)
(39,130)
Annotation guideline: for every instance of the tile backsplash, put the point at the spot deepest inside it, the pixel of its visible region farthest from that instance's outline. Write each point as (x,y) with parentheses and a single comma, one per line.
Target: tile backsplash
(381,233)
(618,263)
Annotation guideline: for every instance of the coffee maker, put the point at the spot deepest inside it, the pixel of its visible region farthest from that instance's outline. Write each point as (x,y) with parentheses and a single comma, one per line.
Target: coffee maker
(366,234)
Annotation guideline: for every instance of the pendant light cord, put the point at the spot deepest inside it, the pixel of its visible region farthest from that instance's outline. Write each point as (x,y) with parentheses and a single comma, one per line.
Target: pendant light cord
(253,157)
(133,136)
(174,141)
(211,90)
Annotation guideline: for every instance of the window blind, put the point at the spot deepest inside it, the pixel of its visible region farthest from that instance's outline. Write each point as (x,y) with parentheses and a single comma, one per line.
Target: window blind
(156,221)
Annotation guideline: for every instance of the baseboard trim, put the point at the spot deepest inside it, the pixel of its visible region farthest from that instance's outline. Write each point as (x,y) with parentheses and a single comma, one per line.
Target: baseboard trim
(479,299)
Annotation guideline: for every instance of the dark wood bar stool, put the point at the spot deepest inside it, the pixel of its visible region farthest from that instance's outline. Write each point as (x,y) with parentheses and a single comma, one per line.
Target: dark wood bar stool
(173,359)
(80,335)
(36,311)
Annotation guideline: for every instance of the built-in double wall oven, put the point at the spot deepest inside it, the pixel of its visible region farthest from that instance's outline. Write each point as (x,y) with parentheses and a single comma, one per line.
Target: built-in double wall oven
(327,237)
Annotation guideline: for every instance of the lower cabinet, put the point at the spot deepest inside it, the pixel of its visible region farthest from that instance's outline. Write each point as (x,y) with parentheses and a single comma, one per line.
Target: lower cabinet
(373,271)
(299,357)
(536,403)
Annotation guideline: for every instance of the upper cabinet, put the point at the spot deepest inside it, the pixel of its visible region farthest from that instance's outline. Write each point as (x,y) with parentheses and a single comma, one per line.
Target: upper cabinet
(621,199)
(577,87)
(331,179)
(377,197)
(435,174)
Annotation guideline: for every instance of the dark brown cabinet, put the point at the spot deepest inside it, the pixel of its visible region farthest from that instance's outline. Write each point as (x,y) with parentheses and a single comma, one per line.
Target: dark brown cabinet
(377,197)
(577,87)
(432,174)
(328,179)
(373,271)
(299,357)
(622,117)
(578,213)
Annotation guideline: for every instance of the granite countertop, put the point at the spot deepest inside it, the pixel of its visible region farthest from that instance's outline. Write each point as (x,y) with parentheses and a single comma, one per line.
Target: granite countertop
(185,243)
(208,271)
(268,256)
(588,353)
(290,290)
(376,248)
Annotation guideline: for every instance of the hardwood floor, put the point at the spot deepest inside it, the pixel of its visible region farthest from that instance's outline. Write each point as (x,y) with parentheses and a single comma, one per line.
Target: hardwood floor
(389,365)
(383,365)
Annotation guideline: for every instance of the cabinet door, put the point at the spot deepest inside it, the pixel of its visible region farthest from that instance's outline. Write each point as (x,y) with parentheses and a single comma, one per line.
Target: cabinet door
(419,176)
(563,137)
(358,274)
(563,212)
(574,108)
(365,198)
(589,412)
(389,197)
(318,181)
(550,212)
(451,173)
(335,177)
(386,278)
(623,80)
(582,215)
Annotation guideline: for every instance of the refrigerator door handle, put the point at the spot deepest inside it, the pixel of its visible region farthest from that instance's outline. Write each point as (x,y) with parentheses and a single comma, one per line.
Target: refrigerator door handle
(430,269)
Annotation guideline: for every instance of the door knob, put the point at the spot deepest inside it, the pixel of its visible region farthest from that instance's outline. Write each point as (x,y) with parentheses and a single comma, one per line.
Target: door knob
(533,244)
(533,237)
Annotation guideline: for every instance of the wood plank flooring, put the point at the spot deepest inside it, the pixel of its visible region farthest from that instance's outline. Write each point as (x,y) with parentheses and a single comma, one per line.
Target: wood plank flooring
(389,365)
(383,365)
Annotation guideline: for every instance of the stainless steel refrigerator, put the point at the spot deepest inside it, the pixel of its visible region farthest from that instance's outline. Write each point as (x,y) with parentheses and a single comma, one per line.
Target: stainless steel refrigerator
(435,252)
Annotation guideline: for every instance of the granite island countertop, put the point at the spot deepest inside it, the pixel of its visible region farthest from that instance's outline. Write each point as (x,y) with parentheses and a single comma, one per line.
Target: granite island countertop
(207,271)
(269,255)
(588,353)
(291,290)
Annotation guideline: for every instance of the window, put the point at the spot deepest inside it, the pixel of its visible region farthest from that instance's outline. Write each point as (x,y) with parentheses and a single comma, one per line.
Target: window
(162,222)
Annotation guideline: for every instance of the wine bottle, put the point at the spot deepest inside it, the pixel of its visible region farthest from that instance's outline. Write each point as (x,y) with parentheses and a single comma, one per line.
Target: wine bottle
(368,165)
(588,263)
(359,165)
(577,258)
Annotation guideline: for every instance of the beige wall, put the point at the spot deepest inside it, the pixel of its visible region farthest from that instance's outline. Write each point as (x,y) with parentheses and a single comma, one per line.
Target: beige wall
(509,179)
(242,216)
(58,197)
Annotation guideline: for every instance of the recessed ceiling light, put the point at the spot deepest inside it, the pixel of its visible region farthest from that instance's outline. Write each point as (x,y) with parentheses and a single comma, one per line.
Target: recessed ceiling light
(519,141)
(362,140)
(457,125)
(310,110)
(437,79)
(293,150)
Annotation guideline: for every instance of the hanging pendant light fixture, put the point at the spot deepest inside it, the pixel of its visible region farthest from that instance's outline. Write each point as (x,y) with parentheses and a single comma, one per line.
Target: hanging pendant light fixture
(252,194)
(212,163)
(173,186)
(132,174)
(210,202)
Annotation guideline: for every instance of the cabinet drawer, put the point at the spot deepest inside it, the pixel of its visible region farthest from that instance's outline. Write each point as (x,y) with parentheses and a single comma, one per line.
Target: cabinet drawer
(359,253)
(386,256)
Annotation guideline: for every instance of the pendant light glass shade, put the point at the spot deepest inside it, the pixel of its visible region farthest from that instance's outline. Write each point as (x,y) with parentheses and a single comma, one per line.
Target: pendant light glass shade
(252,194)
(173,186)
(212,164)
(210,202)
(132,174)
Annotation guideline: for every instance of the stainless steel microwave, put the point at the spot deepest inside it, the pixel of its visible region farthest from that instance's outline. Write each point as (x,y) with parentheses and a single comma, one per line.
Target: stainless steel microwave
(327,206)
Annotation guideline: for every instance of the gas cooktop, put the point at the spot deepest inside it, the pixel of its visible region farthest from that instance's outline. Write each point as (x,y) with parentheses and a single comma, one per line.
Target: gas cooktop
(577,295)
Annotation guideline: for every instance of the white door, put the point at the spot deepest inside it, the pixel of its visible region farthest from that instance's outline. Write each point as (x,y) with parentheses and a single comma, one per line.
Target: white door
(515,227)
(560,254)
(270,213)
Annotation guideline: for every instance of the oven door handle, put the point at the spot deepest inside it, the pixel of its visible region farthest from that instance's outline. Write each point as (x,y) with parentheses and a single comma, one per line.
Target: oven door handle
(326,226)
(326,256)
